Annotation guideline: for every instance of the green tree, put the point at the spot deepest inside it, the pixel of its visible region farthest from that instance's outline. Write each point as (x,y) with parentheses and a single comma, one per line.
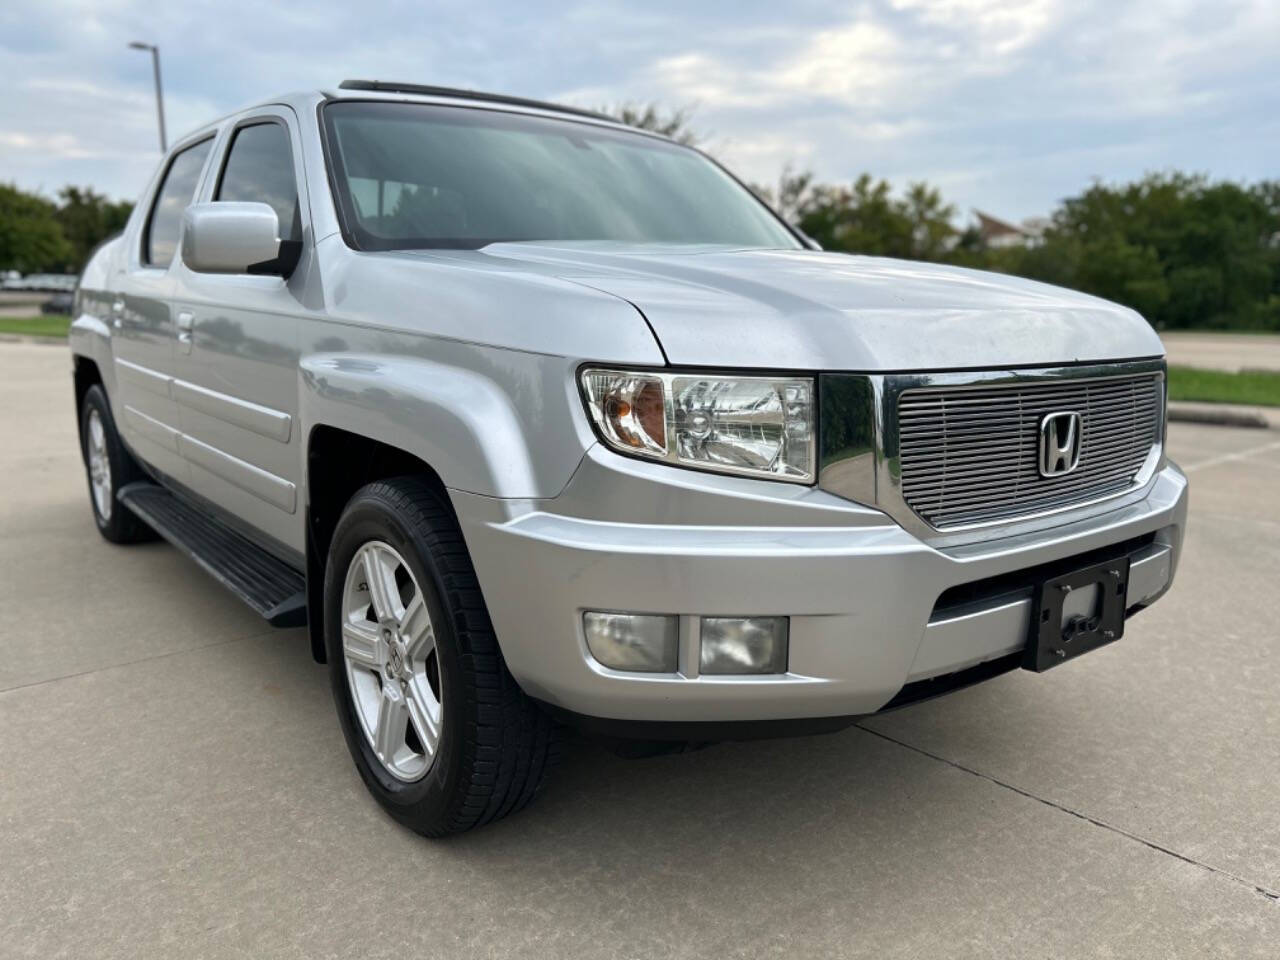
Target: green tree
(932,232)
(1267,196)
(866,218)
(31,239)
(1179,249)
(649,116)
(88,218)
(789,195)
(1182,251)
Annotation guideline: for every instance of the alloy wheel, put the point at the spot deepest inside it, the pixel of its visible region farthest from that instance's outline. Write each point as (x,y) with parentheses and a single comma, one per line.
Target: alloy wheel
(99,466)
(392,666)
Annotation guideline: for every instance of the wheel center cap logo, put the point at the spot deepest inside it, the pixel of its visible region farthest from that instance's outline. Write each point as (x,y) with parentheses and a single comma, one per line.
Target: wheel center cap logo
(396,657)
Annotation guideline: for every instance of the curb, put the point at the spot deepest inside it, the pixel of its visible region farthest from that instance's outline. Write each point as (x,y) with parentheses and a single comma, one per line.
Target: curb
(1219,415)
(44,340)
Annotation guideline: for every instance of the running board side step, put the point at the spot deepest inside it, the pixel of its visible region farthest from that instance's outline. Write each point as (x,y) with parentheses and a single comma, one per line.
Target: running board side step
(268,585)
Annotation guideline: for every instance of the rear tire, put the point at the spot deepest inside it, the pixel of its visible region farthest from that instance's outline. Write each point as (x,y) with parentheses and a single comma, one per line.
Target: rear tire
(440,731)
(109,467)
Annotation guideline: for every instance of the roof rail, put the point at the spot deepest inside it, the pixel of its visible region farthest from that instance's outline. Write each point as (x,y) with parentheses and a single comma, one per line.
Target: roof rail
(384,86)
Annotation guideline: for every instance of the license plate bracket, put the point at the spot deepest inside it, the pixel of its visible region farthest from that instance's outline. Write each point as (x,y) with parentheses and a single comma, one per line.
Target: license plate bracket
(1077,612)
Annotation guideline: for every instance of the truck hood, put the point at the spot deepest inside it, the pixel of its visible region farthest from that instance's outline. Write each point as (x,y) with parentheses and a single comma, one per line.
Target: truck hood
(810,310)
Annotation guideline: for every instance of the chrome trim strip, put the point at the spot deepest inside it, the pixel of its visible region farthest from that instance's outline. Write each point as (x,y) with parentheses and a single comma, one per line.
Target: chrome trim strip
(265,486)
(847,436)
(261,420)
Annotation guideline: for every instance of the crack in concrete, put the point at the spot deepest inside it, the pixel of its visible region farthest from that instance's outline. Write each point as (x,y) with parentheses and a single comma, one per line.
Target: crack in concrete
(1271,895)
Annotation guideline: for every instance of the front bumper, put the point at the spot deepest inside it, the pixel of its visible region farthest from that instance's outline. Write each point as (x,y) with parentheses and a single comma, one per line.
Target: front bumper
(861,591)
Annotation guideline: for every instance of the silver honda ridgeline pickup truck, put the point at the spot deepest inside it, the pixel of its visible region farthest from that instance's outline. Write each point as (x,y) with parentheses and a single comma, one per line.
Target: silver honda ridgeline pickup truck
(535,420)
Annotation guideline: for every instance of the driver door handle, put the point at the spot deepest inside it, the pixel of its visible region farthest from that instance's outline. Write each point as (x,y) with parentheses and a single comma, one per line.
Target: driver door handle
(186,320)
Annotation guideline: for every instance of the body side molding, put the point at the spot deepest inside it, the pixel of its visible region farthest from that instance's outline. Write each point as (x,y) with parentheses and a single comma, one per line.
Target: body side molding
(150,380)
(265,486)
(264,421)
(153,429)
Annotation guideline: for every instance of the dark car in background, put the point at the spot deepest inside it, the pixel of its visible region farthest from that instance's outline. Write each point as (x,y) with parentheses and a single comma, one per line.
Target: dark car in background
(58,303)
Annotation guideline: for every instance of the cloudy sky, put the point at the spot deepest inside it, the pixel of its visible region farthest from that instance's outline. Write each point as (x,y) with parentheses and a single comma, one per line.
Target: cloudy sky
(1007,105)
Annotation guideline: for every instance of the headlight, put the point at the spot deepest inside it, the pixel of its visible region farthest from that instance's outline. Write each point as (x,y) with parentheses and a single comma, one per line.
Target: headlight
(752,426)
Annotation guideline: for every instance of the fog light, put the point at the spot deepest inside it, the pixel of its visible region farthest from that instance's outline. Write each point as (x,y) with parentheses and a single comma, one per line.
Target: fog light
(627,641)
(744,645)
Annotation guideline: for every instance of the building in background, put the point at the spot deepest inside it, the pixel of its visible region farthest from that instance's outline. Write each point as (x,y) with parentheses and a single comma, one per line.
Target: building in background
(997,233)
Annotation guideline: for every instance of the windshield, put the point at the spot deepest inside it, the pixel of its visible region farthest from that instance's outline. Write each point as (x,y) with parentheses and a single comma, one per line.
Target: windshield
(418,175)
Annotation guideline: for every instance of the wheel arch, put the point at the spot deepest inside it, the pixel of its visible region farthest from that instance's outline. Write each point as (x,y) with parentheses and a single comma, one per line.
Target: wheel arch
(340,462)
(84,374)
(471,413)
(468,428)
(91,357)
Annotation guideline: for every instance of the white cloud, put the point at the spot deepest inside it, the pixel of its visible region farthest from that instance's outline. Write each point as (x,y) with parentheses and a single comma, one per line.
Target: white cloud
(46,145)
(1001,27)
(859,62)
(1010,104)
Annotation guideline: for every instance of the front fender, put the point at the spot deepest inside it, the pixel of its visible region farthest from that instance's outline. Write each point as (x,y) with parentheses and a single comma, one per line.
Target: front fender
(90,337)
(475,430)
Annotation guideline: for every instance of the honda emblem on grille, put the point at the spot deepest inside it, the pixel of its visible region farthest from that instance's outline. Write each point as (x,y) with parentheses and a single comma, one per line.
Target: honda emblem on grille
(1059,444)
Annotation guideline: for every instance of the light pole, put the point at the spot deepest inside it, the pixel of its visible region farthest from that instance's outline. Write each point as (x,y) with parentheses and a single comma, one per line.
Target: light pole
(155,63)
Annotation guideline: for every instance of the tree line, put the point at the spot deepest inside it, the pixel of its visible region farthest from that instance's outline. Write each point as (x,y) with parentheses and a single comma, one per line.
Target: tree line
(1181,249)
(38,235)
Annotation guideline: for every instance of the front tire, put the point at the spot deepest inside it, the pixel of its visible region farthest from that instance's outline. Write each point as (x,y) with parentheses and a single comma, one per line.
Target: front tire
(109,467)
(441,733)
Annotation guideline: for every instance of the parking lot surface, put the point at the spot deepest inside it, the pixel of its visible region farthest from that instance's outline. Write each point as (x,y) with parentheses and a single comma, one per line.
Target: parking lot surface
(173,782)
(24,303)
(1224,351)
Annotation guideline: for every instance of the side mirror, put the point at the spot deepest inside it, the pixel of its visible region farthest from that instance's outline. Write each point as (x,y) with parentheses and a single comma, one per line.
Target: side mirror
(232,237)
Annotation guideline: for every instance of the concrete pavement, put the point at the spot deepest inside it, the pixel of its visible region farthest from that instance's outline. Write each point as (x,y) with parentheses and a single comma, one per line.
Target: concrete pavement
(1223,351)
(173,781)
(21,303)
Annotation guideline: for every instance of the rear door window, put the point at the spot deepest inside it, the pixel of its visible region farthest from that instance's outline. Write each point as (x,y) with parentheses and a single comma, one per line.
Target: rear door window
(174,196)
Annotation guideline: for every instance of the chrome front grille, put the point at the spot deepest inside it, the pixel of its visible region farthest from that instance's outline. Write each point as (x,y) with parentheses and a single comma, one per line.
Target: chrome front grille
(969,454)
